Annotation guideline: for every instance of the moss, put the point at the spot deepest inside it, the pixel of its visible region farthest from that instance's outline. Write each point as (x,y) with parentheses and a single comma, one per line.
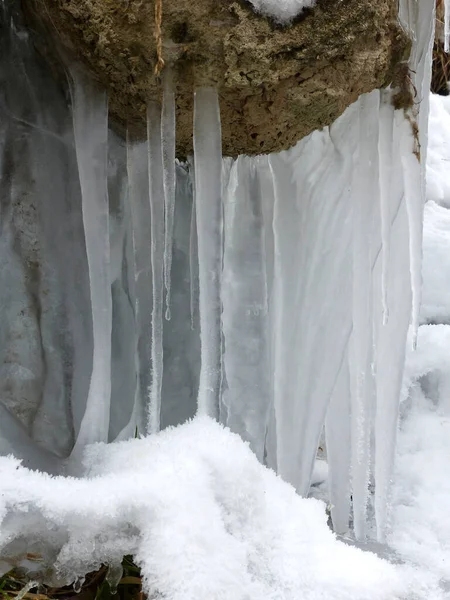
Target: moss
(276,84)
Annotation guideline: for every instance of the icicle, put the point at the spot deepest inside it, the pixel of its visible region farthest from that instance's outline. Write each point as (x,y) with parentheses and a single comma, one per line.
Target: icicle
(208,203)
(338,441)
(156,194)
(447,26)
(361,354)
(26,588)
(385,175)
(138,198)
(412,180)
(168,137)
(90,120)
(193,264)
(390,337)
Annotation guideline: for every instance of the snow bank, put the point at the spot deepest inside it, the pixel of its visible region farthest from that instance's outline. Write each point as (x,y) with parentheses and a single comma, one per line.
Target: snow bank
(281,10)
(436,264)
(202,517)
(421,527)
(438,157)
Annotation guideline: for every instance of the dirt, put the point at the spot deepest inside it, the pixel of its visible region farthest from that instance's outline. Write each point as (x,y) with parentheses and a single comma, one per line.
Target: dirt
(276,84)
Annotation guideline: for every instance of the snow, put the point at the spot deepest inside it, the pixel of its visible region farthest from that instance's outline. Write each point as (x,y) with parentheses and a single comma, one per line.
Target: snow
(436,265)
(204,520)
(281,10)
(438,158)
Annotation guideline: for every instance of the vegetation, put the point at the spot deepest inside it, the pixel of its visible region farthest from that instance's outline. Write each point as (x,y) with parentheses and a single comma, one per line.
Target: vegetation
(13,586)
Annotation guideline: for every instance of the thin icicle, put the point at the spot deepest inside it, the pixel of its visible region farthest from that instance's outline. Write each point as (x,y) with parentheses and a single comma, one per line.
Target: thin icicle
(156,194)
(447,26)
(193,264)
(168,137)
(385,176)
(208,203)
(412,179)
(90,120)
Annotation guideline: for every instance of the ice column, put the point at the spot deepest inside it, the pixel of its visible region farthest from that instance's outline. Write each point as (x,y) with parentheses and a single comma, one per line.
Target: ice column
(90,121)
(310,295)
(156,195)
(245,307)
(365,198)
(208,203)
(138,198)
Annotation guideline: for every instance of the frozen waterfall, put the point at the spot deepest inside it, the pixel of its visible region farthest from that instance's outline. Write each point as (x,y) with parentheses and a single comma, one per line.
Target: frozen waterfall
(288,281)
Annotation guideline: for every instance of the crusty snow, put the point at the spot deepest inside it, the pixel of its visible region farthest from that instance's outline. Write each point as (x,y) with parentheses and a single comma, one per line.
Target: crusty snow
(203,518)
(281,10)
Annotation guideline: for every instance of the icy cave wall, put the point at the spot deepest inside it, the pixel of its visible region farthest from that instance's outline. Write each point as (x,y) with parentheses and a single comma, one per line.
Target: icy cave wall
(291,282)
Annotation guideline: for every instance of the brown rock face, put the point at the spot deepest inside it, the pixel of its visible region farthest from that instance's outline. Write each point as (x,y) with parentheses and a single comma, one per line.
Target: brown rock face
(276,84)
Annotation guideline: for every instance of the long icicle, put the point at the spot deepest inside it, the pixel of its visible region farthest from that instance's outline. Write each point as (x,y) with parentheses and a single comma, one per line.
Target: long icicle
(208,203)
(447,26)
(156,196)
(385,175)
(90,121)
(193,264)
(168,136)
(361,360)
(414,206)
(137,170)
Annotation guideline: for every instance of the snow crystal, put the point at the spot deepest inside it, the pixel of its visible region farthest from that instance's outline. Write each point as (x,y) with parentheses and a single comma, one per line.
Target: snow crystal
(281,10)
(203,518)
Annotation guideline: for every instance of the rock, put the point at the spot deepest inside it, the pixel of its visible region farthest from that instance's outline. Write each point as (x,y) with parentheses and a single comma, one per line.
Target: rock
(276,84)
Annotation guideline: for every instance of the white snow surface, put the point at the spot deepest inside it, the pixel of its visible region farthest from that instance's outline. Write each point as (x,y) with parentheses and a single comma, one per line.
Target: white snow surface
(436,265)
(203,518)
(438,156)
(281,10)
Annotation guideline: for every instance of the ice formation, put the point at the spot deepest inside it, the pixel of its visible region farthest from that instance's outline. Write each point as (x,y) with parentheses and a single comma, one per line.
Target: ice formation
(291,281)
(90,122)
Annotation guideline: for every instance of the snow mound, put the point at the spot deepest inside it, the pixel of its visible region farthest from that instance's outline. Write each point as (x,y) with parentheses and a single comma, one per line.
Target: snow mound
(203,519)
(421,528)
(281,10)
